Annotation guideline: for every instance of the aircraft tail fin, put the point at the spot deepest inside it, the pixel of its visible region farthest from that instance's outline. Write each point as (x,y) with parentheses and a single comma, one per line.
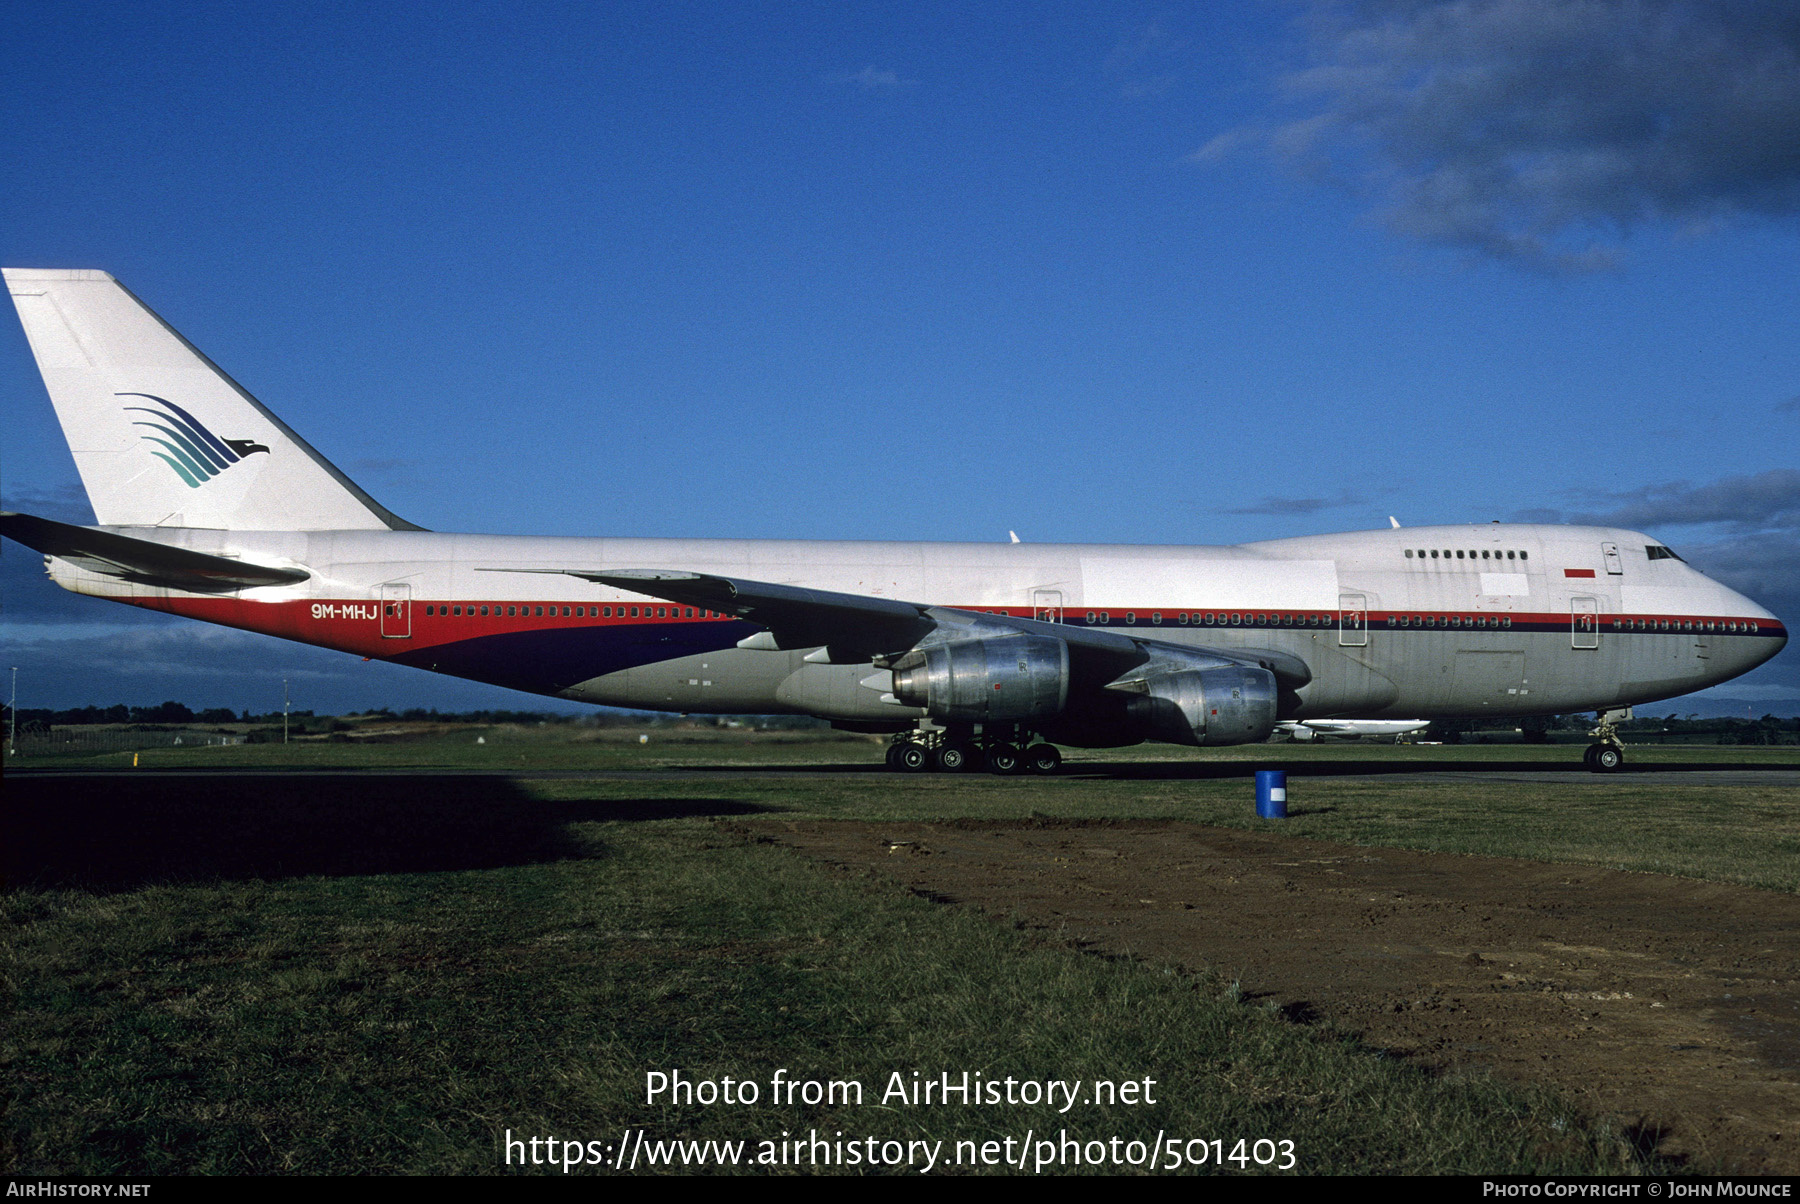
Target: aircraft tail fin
(160,434)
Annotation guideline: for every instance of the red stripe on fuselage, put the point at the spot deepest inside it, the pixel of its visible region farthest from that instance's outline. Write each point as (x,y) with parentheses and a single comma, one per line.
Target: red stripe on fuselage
(356,625)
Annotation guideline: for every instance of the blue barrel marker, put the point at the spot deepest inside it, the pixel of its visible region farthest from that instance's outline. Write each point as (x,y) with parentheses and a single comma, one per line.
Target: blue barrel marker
(1271,793)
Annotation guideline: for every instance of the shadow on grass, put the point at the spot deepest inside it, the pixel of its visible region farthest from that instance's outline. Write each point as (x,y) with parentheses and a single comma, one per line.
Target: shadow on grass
(118,832)
(1245,768)
(1178,770)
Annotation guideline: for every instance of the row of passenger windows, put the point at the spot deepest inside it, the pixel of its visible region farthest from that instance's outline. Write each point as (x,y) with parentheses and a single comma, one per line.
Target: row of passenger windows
(1460,554)
(1499,623)
(1218,619)
(1185,618)
(1728,626)
(1467,622)
(580,612)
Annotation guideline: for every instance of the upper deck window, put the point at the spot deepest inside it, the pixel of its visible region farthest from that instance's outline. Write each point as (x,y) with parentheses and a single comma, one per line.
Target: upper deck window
(1657,552)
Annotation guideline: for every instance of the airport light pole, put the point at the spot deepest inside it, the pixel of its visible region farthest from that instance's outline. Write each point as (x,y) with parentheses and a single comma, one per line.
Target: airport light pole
(12,715)
(284,710)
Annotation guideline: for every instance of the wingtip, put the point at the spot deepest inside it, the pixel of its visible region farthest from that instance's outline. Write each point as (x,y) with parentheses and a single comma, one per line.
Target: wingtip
(28,275)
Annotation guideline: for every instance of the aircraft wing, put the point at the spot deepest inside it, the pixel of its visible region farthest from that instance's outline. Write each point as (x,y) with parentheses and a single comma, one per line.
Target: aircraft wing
(142,560)
(797,617)
(854,627)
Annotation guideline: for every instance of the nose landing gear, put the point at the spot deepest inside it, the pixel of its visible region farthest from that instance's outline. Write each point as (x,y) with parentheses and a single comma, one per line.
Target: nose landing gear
(1603,758)
(1608,754)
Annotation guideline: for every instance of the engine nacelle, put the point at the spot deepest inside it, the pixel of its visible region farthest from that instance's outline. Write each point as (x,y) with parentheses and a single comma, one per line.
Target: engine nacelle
(1002,680)
(1227,705)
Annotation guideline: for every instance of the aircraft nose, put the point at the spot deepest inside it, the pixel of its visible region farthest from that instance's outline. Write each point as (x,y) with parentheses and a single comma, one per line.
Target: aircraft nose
(1771,633)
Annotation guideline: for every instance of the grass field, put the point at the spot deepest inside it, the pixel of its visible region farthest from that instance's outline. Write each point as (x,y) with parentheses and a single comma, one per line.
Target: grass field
(563,747)
(306,974)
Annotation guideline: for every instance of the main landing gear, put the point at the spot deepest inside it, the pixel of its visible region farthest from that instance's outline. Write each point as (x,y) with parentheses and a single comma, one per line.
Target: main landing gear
(1608,754)
(1002,749)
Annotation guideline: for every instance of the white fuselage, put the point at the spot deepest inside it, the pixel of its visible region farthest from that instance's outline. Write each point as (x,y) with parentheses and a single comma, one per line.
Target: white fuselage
(1503,619)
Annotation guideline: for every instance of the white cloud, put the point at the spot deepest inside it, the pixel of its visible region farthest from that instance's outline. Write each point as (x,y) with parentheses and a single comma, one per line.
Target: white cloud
(1542,132)
(1300,505)
(871,79)
(1765,501)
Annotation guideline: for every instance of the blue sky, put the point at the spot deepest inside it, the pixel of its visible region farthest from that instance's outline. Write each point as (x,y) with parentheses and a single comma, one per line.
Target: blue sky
(1171,274)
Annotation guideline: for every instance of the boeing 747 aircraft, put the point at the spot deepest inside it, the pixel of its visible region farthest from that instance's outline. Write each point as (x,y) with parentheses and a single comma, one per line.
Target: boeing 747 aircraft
(968,654)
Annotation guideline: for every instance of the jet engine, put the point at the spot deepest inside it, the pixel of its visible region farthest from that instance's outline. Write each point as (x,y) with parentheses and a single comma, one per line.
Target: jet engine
(1006,679)
(1226,705)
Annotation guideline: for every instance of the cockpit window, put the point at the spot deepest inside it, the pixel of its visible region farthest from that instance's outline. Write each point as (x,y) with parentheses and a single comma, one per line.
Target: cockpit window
(1658,552)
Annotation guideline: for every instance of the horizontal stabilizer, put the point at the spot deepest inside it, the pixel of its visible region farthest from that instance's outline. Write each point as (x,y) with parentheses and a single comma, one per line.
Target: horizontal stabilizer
(141,560)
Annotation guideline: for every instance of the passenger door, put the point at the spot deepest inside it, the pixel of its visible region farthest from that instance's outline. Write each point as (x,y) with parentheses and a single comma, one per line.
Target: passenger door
(1353,619)
(1584,622)
(396,610)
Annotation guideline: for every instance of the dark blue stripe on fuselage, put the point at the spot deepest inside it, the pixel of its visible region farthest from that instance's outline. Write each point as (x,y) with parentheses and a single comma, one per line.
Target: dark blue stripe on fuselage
(551,659)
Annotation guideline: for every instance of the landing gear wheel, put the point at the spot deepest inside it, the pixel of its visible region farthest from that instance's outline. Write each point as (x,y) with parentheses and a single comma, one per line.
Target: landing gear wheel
(1043,758)
(893,756)
(1607,753)
(911,758)
(1004,758)
(953,758)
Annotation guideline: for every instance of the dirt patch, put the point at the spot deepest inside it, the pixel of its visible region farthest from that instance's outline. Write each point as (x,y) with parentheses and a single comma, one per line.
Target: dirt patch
(1671,1004)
